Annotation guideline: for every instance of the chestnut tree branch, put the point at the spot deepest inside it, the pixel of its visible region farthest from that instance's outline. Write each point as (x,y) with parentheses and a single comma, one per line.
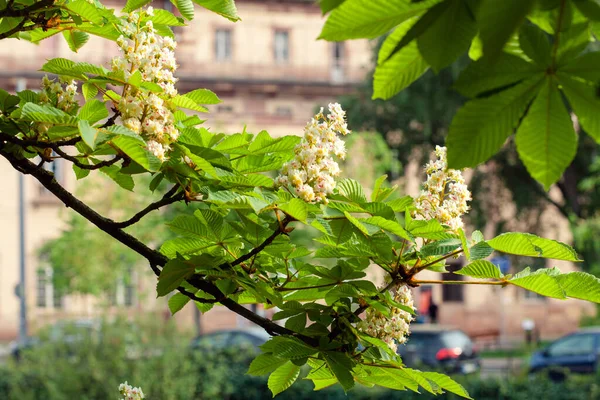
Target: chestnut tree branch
(154,257)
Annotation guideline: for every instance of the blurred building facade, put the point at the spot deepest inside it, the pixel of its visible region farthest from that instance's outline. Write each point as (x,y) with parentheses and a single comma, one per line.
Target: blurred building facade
(271,74)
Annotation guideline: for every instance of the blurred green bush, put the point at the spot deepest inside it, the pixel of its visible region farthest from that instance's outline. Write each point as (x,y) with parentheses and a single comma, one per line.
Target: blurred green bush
(162,363)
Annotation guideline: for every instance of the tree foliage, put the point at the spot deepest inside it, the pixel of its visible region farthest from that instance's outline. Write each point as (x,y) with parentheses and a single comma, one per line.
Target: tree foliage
(532,64)
(236,246)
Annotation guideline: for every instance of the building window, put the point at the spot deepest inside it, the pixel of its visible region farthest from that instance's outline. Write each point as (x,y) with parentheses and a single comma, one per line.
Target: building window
(338,54)
(454,293)
(281,46)
(223,44)
(283,111)
(223,108)
(124,293)
(47,296)
(337,67)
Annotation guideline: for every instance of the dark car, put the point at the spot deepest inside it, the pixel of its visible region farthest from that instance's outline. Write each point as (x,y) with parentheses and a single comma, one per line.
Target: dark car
(437,347)
(248,337)
(577,352)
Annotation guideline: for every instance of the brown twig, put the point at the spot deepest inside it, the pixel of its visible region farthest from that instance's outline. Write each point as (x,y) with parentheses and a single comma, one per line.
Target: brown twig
(169,198)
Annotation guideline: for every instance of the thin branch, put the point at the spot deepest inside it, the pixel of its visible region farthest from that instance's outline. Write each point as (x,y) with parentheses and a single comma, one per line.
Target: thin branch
(284,289)
(46,178)
(25,12)
(429,264)
(20,27)
(169,198)
(38,143)
(81,165)
(155,258)
(425,282)
(260,247)
(111,121)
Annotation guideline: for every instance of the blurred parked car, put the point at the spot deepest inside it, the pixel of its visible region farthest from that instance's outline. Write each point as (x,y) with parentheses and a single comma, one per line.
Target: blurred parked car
(577,352)
(248,337)
(435,346)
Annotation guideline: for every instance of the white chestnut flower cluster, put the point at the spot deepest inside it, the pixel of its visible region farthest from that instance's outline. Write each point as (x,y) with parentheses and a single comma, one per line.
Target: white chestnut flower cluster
(394,329)
(60,94)
(313,170)
(445,195)
(153,57)
(130,393)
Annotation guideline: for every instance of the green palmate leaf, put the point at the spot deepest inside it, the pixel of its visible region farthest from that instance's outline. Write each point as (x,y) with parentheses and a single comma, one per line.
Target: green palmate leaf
(85,10)
(225,8)
(164,17)
(388,377)
(498,21)
(534,43)
(446,383)
(174,272)
(265,364)
(320,375)
(540,281)
(481,269)
(137,152)
(107,31)
(589,8)
(203,96)
(88,133)
(584,66)
(93,111)
(283,377)
(328,5)
(135,4)
(480,250)
(480,128)
(37,113)
(354,221)
(401,69)
(441,247)
(352,190)
(464,243)
(296,209)
(39,34)
(579,285)
(187,103)
(525,244)
(177,302)
(584,101)
(264,144)
(89,91)
(546,140)
(75,39)
(448,36)
(401,204)
(186,8)
(390,226)
(431,229)
(369,18)
(484,75)
(420,27)
(341,365)
(572,42)
(123,180)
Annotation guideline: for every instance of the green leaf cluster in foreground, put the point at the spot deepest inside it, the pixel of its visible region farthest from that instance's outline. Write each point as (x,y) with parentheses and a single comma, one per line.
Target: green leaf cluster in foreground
(532,64)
